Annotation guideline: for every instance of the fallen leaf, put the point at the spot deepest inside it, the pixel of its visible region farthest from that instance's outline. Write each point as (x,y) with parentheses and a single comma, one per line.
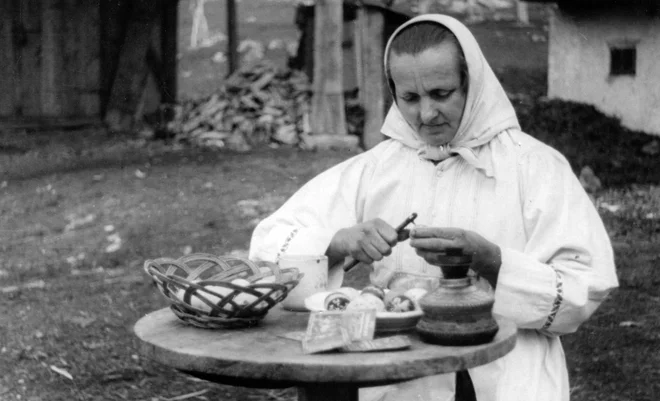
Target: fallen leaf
(115,243)
(82,321)
(61,372)
(109,228)
(77,222)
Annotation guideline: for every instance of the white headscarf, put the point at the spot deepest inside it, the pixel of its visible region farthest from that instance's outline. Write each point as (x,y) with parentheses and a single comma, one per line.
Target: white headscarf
(487,112)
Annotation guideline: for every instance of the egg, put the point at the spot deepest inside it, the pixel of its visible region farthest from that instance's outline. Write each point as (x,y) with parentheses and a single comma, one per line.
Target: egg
(350,292)
(375,290)
(240,282)
(336,301)
(390,295)
(401,303)
(366,301)
(197,303)
(416,293)
(266,280)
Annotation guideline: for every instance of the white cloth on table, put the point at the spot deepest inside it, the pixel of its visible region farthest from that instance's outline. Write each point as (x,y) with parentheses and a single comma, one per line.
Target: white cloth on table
(557,261)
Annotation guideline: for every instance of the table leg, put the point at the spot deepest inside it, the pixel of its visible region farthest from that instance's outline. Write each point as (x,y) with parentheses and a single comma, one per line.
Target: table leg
(464,387)
(328,392)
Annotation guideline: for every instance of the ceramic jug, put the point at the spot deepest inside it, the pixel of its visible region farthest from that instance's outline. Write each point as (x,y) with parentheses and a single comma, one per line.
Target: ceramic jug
(458,312)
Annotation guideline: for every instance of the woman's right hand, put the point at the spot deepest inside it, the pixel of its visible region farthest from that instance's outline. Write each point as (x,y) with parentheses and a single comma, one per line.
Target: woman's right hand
(366,242)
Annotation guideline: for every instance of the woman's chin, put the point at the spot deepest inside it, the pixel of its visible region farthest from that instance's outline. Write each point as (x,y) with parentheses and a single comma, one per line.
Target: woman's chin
(436,140)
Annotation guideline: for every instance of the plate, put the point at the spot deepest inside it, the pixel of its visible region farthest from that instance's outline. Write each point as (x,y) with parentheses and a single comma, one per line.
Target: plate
(386,322)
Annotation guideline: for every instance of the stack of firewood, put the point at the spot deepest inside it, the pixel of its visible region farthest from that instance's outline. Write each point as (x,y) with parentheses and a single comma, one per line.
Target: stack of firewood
(257,105)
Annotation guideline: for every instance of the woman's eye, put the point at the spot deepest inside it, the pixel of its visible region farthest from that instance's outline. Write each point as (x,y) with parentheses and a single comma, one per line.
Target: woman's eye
(441,94)
(408,98)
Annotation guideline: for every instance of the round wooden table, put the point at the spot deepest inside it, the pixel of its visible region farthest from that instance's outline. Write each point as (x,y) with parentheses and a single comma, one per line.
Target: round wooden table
(260,357)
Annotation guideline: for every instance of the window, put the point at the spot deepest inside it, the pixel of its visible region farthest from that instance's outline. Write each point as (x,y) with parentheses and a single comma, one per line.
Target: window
(623,60)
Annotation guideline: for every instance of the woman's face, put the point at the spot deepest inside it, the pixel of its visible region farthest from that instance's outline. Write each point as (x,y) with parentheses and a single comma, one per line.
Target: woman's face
(429,93)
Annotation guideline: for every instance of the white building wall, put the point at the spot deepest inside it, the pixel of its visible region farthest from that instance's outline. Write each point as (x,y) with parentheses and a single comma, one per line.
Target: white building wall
(579,65)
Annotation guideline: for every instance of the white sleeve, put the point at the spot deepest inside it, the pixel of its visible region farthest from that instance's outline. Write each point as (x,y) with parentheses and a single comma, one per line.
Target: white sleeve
(567,267)
(306,223)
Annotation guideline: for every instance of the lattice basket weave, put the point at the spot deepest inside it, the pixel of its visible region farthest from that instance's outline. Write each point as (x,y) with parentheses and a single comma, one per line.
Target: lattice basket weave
(201,293)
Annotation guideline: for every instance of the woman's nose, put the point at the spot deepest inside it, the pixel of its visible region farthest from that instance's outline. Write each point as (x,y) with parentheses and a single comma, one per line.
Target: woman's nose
(427,112)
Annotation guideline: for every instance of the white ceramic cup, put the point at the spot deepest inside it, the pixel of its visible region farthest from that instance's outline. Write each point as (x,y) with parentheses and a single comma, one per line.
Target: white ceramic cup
(317,278)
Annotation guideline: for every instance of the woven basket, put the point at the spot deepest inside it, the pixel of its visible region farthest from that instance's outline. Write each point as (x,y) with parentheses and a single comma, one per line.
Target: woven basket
(200,290)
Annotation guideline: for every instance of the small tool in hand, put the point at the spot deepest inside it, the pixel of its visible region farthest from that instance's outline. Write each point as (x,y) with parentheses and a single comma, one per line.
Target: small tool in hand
(402,233)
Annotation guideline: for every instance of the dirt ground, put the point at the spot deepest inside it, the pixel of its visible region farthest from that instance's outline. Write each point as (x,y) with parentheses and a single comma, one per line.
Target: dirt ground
(81,211)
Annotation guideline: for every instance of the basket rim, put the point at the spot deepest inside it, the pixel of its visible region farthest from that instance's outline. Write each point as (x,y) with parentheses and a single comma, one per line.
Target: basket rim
(216,300)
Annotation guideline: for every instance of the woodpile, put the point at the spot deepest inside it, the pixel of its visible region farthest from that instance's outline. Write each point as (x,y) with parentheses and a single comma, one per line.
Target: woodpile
(256,105)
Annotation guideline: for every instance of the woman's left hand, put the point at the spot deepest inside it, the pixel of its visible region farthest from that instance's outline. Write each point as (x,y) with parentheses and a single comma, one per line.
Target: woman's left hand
(432,242)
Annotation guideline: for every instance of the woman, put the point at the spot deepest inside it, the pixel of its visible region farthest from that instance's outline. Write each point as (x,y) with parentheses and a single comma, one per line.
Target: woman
(457,157)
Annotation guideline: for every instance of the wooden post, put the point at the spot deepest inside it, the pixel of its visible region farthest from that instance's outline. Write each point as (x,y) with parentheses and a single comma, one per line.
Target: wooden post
(89,63)
(522,12)
(131,78)
(369,43)
(28,58)
(168,37)
(328,113)
(7,72)
(232,37)
(200,26)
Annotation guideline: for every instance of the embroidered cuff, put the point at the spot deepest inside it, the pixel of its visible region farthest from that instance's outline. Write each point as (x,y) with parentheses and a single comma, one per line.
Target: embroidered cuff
(557,302)
(286,244)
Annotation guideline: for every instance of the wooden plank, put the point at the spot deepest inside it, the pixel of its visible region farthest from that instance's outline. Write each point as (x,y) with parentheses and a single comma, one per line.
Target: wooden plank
(169,49)
(132,71)
(7,70)
(114,19)
(89,63)
(52,59)
(71,16)
(371,80)
(232,37)
(29,59)
(328,114)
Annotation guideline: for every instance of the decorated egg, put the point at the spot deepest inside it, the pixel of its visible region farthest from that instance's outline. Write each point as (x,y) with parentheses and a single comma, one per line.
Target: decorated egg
(375,290)
(390,295)
(400,303)
(336,301)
